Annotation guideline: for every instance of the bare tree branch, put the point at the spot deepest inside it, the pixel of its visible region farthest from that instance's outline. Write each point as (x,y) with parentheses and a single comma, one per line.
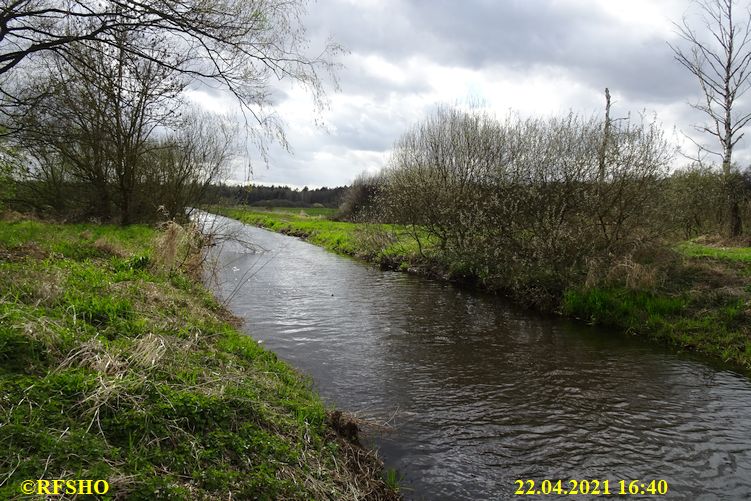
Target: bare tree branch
(239,44)
(721,62)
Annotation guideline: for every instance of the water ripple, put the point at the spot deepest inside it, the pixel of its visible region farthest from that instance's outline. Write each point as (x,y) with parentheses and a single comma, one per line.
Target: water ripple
(481,393)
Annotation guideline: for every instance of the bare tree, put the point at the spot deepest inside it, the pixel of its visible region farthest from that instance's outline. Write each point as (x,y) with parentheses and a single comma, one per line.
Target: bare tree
(8,167)
(240,45)
(187,160)
(359,201)
(721,63)
(114,135)
(98,116)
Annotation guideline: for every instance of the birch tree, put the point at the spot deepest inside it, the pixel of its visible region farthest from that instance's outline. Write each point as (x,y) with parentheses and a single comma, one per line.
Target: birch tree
(720,58)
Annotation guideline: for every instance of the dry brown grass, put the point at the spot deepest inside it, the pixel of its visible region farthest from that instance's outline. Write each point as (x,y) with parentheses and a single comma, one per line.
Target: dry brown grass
(93,355)
(30,250)
(108,247)
(358,470)
(635,275)
(708,274)
(180,248)
(34,286)
(12,216)
(148,351)
(648,268)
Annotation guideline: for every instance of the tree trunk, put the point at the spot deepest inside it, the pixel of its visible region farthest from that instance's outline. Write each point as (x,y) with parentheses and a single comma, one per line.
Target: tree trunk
(125,209)
(736,225)
(734,213)
(102,200)
(605,139)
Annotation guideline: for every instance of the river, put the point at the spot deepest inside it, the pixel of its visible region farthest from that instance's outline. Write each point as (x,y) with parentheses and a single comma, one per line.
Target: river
(479,393)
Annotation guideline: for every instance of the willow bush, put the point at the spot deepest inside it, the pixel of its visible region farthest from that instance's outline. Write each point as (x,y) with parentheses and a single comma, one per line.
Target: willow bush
(529,205)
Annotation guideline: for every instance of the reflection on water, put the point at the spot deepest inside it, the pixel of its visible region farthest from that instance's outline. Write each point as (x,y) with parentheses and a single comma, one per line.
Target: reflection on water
(482,393)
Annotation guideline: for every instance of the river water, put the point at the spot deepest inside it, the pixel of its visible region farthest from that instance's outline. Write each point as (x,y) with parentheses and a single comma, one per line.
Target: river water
(479,393)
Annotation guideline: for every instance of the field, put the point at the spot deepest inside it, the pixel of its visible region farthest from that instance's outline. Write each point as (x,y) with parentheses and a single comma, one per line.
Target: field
(116,364)
(308,211)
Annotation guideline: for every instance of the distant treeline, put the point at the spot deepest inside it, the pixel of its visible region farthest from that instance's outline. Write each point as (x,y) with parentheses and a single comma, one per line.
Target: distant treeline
(274,196)
(76,201)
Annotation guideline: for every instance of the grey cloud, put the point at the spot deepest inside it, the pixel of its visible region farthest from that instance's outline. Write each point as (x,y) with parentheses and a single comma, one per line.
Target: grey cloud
(520,35)
(369,130)
(366,29)
(584,40)
(356,80)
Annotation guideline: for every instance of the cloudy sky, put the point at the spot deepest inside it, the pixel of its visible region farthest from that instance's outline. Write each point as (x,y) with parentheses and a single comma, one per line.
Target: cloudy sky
(535,57)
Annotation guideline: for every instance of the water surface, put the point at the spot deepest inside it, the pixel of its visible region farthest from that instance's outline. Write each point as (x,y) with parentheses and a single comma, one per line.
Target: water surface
(480,393)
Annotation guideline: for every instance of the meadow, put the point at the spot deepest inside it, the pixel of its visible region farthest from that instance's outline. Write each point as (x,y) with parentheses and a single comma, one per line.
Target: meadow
(391,246)
(117,364)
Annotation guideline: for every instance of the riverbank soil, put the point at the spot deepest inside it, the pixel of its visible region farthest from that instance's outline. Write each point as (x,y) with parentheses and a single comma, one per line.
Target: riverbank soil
(116,364)
(695,295)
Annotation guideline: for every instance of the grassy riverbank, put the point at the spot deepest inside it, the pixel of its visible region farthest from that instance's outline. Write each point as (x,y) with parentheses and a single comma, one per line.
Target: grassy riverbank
(696,296)
(387,245)
(116,364)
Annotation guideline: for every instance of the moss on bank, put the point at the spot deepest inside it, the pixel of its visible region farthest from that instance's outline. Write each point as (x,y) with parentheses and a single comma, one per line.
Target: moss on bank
(113,367)
(699,299)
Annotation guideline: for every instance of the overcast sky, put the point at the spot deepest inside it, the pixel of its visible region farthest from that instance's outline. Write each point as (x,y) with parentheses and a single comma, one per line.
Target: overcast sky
(535,57)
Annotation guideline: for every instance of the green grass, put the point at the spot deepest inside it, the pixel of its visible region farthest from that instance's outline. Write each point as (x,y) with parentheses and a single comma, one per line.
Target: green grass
(622,307)
(715,321)
(307,211)
(693,249)
(76,241)
(113,367)
(387,245)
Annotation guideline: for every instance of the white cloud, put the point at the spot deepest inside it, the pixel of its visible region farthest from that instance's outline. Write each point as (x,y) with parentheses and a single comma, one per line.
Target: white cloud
(544,57)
